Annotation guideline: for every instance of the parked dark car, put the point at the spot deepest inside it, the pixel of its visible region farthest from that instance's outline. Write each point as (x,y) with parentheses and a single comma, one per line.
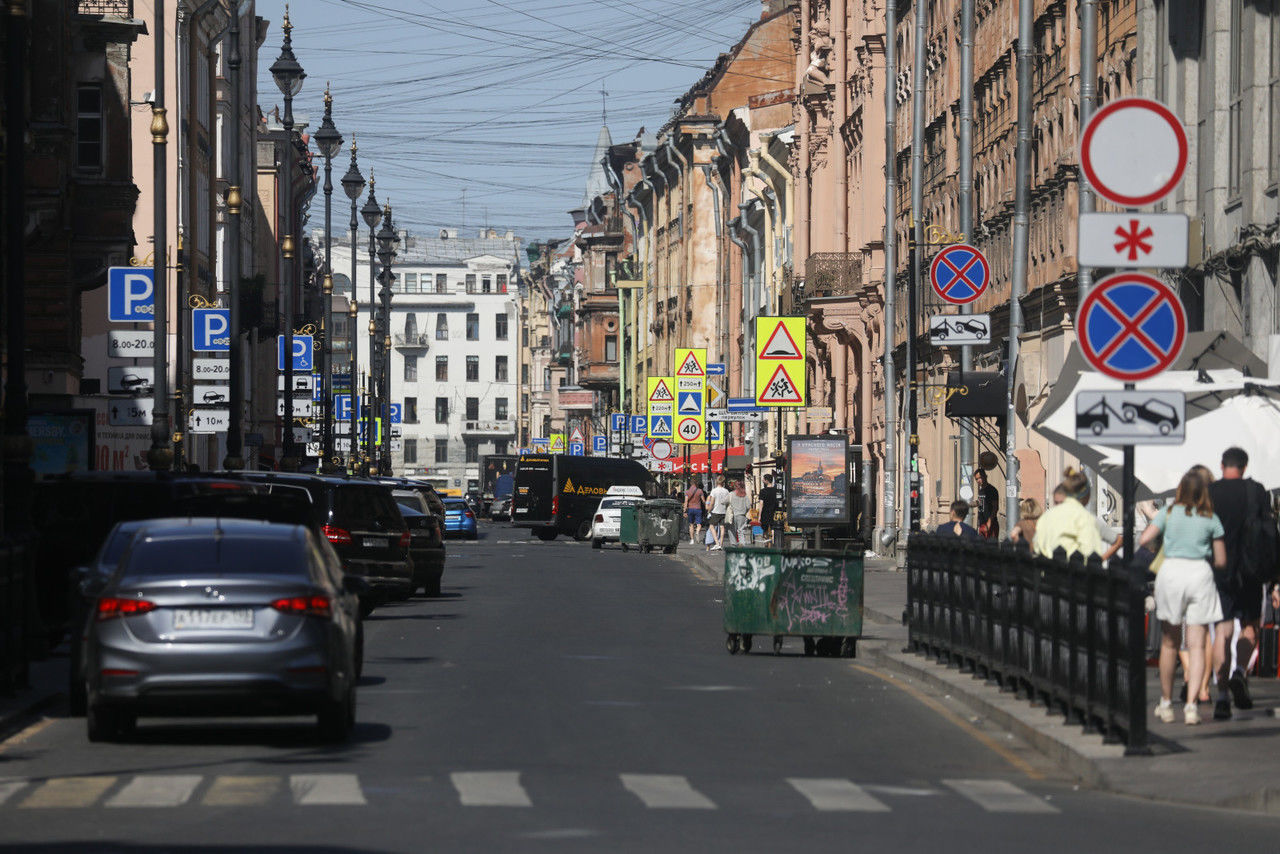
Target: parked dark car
(361,521)
(206,616)
(426,541)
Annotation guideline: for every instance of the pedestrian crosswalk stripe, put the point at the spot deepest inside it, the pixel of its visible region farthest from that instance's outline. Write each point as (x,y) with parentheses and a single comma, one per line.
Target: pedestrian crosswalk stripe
(834,795)
(490,789)
(68,792)
(241,791)
(666,791)
(326,789)
(9,787)
(156,790)
(999,796)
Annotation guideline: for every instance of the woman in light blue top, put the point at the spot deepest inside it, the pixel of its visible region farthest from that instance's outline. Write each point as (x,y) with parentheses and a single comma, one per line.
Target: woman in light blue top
(1185,592)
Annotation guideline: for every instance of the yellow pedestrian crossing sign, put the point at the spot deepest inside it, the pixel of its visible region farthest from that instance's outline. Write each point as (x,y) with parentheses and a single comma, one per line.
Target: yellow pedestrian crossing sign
(557,443)
(661,407)
(780,368)
(691,361)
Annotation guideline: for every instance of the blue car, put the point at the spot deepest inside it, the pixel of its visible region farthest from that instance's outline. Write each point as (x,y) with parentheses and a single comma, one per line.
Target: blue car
(459,519)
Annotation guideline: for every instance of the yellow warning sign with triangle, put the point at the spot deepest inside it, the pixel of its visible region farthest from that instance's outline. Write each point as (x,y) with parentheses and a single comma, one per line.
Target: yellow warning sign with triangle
(691,361)
(780,372)
(660,390)
(779,338)
(779,388)
(557,443)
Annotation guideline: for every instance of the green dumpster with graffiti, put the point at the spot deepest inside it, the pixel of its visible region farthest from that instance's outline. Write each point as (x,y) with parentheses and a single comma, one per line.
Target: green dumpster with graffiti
(813,595)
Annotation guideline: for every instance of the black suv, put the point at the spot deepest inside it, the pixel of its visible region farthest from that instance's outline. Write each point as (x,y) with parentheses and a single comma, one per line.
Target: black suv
(363,523)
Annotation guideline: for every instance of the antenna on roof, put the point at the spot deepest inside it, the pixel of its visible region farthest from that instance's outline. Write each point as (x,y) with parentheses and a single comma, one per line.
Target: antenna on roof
(604,105)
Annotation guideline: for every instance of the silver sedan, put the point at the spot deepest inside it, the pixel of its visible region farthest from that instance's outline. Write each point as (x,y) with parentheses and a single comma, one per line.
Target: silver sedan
(210,616)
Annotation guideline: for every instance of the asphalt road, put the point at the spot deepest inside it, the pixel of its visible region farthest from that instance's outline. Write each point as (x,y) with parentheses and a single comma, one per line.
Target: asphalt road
(558,698)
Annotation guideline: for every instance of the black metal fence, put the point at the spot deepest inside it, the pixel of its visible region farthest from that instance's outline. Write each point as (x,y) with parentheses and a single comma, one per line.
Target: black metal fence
(1068,634)
(18,620)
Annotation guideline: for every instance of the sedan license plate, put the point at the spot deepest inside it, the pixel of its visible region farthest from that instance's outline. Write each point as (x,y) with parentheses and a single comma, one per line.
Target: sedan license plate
(375,543)
(212,618)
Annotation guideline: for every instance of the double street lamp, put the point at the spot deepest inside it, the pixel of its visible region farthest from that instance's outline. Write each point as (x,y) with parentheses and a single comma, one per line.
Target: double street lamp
(329,141)
(387,240)
(372,217)
(288,74)
(353,186)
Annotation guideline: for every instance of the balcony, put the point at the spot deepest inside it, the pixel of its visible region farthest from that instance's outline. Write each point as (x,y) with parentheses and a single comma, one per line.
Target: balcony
(832,274)
(420,341)
(488,428)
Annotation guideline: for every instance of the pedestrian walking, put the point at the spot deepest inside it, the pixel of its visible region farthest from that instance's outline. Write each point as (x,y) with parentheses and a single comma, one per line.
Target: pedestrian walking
(768,506)
(957,527)
(739,508)
(1025,531)
(1249,532)
(694,499)
(988,506)
(1068,524)
(719,504)
(1186,596)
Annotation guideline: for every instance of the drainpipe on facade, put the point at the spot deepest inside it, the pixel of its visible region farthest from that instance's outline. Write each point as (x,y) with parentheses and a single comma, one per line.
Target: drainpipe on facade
(1021,234)
(686,243)
(722,294)
(650,254)
(966,205)
(889,371)
(788,192)
(734,225)
(764,247)
(1088,12)
(615,180)
(748,285)
(707,170)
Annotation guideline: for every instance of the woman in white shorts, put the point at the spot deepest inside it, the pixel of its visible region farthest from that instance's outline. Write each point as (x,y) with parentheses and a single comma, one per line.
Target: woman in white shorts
(1185,592)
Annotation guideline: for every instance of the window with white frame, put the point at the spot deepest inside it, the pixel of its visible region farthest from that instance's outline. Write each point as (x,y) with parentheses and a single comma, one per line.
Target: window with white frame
(411,369)
(473,369)
(442,283)
(500,369)
(410,450)
(442,327)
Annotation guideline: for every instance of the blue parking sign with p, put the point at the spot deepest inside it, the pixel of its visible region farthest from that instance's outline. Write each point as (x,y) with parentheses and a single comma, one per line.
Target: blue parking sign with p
(302,352)
(342,407)
(639,424)
(131,295)
(211,330)
(599,445)
(618,422)
(397,413)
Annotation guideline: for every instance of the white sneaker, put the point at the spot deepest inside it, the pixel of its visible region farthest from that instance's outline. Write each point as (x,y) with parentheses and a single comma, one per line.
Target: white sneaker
(1164,711)
(1191,714)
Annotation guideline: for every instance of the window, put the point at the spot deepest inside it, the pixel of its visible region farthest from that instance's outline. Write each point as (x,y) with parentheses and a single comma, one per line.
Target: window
(524,374)
(524,336)
(442,327)
(500,446)
(410,450)
(500,369)
(410,283)
(611,348)
(473,452)
(502,283)
(89,128)
(524,403)
(411,369)
(471,283)
(546,379)
(500,326)
(411,328)
(442,410)
(486,285)
(473,408)
(442,450)
(473,327)
(442,369)
(411,410)
(473,369)
(1235,100)
(442,283)
(500,408)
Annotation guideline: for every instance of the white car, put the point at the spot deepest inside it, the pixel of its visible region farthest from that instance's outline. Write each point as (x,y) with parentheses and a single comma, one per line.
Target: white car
(607,524)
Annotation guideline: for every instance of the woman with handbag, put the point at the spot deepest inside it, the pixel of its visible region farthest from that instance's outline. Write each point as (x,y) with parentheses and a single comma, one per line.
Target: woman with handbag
(1185,593)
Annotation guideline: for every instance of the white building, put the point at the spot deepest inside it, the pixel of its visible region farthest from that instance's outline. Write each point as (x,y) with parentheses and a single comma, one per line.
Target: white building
(454,334)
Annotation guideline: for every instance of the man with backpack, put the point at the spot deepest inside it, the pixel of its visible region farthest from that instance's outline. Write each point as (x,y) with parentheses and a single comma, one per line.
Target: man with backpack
(1252,541)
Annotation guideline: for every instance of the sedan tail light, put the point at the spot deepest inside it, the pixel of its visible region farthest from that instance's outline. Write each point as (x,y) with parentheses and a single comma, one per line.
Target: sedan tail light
(315,606)
(599,517)
(404,540)
(111,606)
(337,535)
(469,514)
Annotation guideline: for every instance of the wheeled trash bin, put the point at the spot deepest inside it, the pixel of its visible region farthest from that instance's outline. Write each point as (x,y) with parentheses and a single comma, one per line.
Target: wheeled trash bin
(629,526)
(659,525)
(814,595)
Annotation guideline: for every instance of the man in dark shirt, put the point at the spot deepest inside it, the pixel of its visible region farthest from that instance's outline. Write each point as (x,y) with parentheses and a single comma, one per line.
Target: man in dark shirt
(957,527)
(988,506)
(768,505)
(1241,596)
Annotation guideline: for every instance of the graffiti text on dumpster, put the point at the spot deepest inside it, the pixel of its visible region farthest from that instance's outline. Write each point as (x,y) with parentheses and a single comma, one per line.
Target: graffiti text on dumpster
(750,572)
(811,601)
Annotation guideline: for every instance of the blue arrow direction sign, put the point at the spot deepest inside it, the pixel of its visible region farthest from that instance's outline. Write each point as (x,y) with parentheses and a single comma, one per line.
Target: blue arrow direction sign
(577,449)
(715,369)
(618,422)
(959,274)
(302,352)
(661,427)
(131,294)
(1131,326)
(599,445)
(745,404)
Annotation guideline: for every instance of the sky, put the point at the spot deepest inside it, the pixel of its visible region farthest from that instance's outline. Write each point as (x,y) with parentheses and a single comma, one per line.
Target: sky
(486,112)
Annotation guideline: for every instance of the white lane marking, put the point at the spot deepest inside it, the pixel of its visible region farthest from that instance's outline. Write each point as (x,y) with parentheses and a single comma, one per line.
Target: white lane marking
(68,792)
(999,796)
(666,791)
(9,787)
(326,789)
(490,789)
(900,791)
(229,791)
(836,795)
(156,790)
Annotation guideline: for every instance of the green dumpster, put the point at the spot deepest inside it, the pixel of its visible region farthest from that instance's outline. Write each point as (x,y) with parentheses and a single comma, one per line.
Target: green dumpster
(814,595)
(629,530)
(659,525)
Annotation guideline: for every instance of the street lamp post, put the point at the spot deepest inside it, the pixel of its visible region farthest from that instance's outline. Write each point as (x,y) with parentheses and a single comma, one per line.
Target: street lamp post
(288,75)
(353,186)
(235,437)
(329,141)
(372,216)
(160,456)
(387,240)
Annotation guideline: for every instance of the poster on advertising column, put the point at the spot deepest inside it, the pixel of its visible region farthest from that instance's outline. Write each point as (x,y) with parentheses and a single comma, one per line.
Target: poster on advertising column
(818,480)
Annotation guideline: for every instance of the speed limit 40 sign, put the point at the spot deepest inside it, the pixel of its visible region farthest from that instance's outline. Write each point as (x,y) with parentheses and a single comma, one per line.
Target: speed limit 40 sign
(690,429)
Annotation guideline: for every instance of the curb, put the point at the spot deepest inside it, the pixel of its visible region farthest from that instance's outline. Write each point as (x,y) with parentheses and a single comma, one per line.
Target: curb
(19,718)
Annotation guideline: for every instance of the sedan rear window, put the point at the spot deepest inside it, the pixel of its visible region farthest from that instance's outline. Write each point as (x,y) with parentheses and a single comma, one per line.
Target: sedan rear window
(217,555)
(361,505)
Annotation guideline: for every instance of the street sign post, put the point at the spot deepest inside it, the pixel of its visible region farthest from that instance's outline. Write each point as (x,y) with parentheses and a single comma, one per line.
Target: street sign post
(1132,240)
(1131,326)
(557,443)
(211,369)
(661,449)
(395,412)
(1133,152)
(206,395)
(661,403)
(211,330)
(955,330)
(637,427)
(577,449)
(715,369)
(755,417)
(960,274)
(128,411)
(779,354)
(301,382)
(691,381)
(131,379)
(599,444)
(576,435)
(1131,417)
(130,344)
(302,352)
(618,422)
(208,420)
(131,295)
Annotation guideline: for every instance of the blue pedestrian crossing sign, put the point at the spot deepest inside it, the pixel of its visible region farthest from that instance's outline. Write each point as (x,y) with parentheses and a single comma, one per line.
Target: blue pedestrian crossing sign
(302,352)
(618,422)
(661,427)
(713,432)
(690,403)
(638,425)
(599,445)
(131,294)
(577,449)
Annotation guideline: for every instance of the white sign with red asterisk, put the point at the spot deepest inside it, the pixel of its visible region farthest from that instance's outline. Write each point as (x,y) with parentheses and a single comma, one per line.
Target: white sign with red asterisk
(1132,240)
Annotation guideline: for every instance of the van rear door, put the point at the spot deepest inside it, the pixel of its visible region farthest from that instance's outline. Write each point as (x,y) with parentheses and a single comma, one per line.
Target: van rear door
(535,487)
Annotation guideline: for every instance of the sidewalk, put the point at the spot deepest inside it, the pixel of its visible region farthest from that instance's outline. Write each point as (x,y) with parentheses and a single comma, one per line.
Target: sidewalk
(1228,764)
(48,684)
